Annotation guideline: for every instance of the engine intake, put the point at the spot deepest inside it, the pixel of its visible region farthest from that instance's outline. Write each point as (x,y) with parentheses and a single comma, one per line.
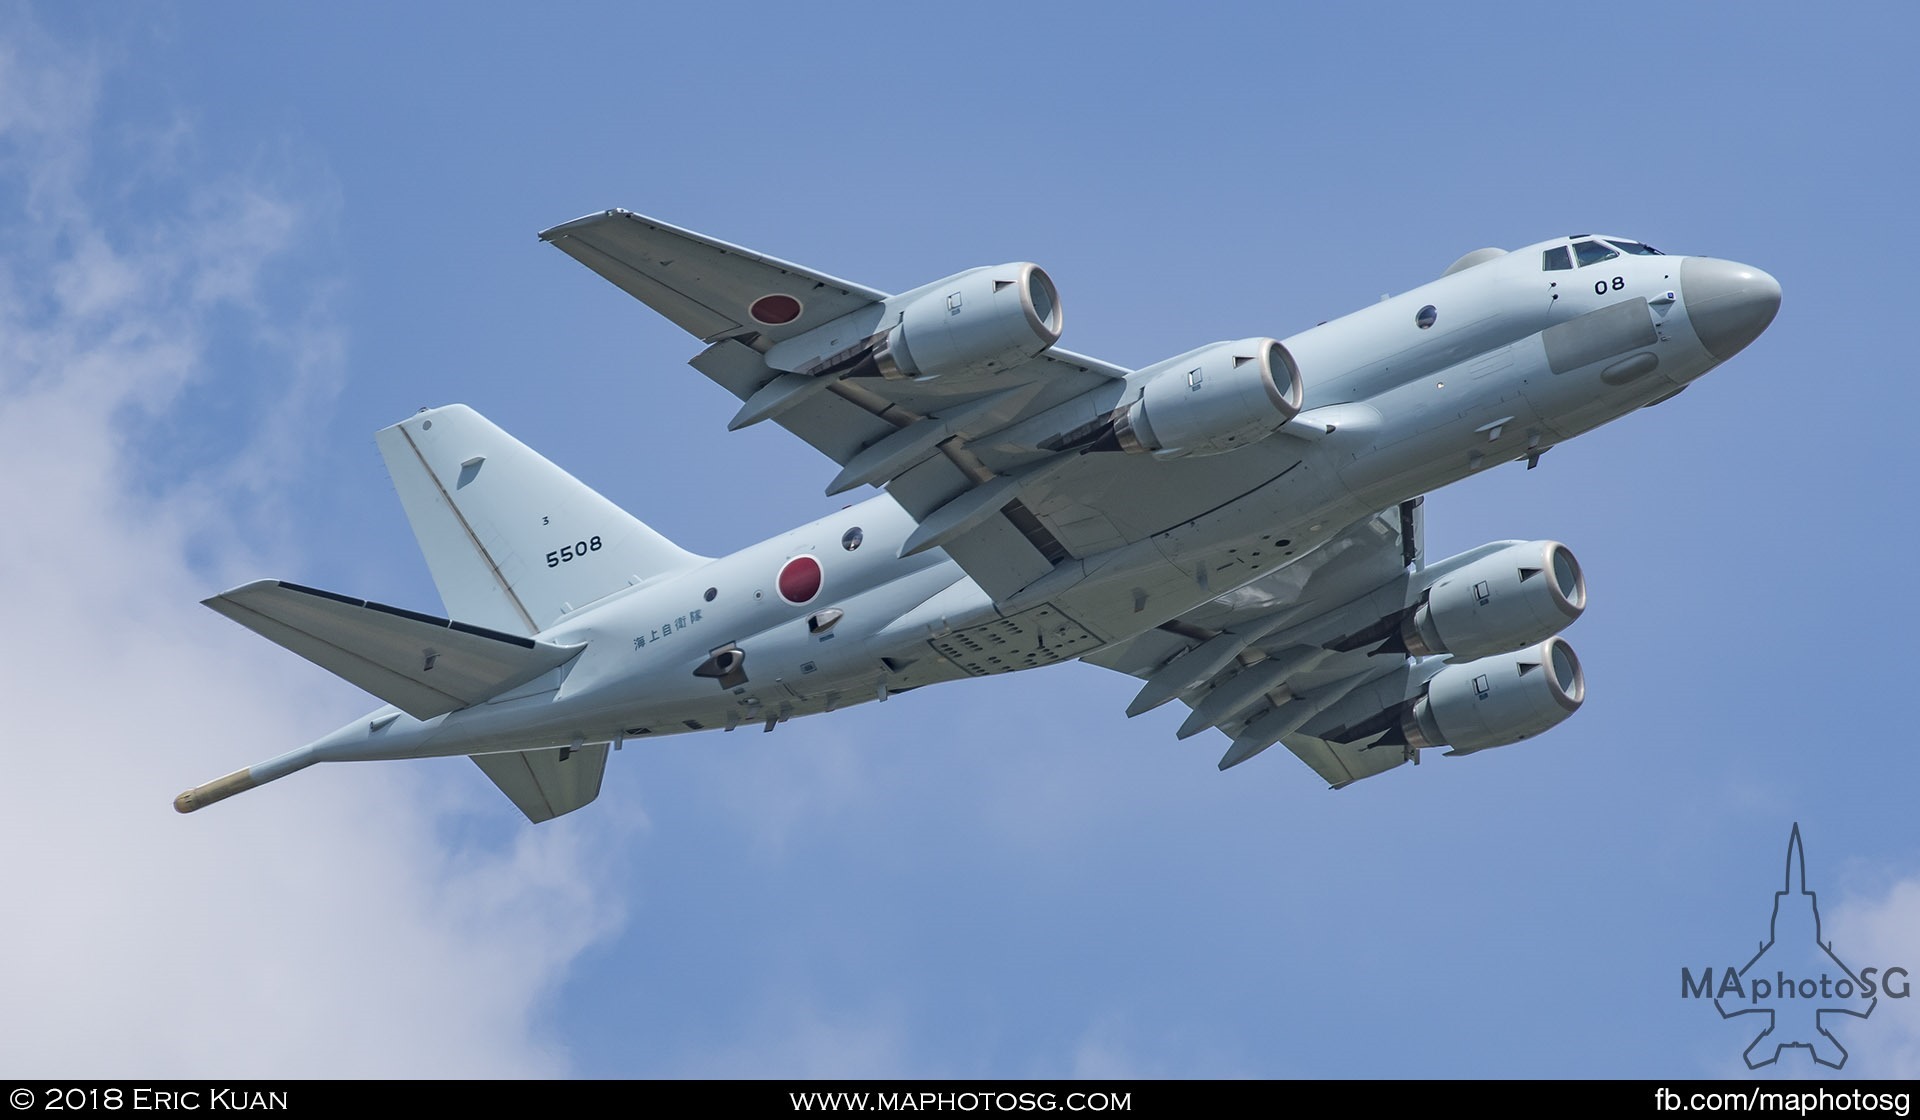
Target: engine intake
(1497,700)
(976,322)
(1215,399)
(1499,603)
(979,321)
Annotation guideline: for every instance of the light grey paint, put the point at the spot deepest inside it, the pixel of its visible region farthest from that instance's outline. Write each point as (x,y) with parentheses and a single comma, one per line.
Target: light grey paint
(1044,541)
(1598,334)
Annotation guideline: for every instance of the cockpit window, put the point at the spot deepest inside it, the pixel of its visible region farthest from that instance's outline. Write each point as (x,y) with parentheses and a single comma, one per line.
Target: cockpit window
(1592,252)
(1555,260)
(1635,248)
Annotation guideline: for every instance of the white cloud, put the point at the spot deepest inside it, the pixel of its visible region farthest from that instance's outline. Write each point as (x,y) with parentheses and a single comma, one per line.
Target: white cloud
(327,928)
(1882,932)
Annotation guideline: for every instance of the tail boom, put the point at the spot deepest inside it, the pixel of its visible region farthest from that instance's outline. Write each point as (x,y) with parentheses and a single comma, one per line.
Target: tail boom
(240,781)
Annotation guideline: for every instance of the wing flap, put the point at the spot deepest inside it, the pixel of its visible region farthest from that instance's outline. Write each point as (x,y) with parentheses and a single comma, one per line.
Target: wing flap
(424,665)
(548,783)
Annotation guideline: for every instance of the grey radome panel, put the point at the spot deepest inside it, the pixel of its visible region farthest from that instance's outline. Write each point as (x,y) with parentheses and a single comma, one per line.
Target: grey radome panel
(1599,334)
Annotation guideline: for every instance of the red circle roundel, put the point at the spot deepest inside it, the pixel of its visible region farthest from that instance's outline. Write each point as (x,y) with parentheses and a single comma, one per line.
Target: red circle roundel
(775,309)
(799,579)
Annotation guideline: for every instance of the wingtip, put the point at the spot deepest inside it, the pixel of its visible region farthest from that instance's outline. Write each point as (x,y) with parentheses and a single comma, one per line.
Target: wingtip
(216,602)
(566,227)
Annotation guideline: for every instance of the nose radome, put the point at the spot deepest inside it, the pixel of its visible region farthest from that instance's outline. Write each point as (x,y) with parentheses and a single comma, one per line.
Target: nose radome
(1728,303)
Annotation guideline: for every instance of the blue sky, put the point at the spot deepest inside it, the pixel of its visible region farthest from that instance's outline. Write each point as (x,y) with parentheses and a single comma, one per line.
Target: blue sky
(242,238)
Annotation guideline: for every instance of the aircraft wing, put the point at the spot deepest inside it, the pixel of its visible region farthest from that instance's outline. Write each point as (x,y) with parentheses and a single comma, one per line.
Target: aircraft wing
(703,286)
(1256,663)
(947,449)
(424,665)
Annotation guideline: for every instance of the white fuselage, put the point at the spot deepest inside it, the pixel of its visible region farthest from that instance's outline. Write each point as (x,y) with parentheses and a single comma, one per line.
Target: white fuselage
(1394,409)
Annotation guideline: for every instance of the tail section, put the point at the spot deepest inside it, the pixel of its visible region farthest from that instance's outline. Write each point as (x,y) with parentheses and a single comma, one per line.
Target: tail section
(513,541)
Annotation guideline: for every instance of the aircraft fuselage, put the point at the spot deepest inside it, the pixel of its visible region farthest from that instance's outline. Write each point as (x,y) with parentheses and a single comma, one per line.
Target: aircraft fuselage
(1491,364)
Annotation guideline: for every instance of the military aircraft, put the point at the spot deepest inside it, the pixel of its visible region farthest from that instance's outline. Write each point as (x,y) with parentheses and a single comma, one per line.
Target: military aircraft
(1239,526)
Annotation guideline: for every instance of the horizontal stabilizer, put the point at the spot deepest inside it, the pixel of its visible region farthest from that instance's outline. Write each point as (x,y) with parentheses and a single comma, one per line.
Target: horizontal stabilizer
(424,665)
(547,783)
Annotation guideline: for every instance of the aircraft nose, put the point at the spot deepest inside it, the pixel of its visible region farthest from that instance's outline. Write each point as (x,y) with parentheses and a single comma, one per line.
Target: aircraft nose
(1728,303)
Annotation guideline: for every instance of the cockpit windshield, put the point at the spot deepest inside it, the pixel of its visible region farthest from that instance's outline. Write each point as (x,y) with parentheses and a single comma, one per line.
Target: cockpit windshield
(1593,252)
(1588,249)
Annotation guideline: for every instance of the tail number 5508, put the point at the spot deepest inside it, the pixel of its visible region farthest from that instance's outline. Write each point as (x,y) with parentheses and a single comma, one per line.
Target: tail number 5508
(573,551)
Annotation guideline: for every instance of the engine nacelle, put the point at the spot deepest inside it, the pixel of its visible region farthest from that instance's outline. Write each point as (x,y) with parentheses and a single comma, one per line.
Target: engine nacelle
(1218,398)
(1499,603)
(980,321)
(1497,700)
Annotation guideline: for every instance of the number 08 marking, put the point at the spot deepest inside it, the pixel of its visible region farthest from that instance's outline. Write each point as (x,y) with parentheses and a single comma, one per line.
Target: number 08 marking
(1600,286)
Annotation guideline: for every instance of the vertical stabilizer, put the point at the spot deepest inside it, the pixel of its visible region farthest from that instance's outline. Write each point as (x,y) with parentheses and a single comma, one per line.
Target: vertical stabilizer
(513,541)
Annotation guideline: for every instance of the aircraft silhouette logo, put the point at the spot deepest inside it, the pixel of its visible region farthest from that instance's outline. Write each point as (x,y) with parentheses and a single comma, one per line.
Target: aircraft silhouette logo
(1795,980)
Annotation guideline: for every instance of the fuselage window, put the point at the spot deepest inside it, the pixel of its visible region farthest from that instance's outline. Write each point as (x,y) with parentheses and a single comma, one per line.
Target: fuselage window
(1635,248)
(852,539)
(1557,259)
(1426,317)
(1592,252)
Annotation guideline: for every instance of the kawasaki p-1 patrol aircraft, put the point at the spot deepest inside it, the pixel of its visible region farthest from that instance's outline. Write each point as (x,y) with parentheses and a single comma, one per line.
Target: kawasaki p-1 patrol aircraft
(1238,526)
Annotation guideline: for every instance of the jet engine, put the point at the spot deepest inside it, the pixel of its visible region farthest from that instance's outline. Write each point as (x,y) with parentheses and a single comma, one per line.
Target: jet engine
(974,323)
(979,321)
(1497,700)
(1218,398)
(1502,602)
